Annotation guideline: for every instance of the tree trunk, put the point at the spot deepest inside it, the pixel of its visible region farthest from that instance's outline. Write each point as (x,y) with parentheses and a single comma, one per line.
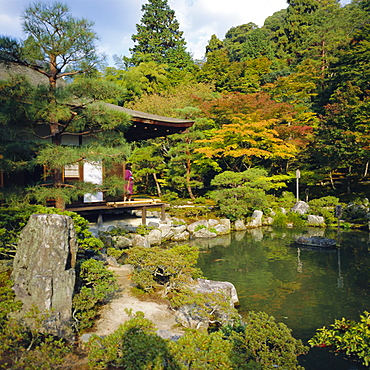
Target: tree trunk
(157,185)
(349,180)
(56,135)
(188,168)
(57,172)
(331,180)
(366,169)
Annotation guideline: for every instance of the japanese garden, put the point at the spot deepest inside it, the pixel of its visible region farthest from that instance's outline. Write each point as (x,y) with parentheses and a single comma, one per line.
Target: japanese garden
(248,172)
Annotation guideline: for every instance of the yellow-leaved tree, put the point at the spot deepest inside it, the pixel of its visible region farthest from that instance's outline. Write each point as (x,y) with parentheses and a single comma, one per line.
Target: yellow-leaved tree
(247,139)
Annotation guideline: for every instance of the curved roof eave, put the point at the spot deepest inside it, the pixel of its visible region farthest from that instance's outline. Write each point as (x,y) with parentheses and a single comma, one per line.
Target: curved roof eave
(152,118)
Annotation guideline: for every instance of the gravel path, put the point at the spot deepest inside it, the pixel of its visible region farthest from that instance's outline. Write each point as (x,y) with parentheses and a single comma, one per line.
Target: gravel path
(113,314)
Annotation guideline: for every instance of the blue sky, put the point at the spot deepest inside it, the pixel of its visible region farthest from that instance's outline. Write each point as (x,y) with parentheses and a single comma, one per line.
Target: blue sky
(115,20)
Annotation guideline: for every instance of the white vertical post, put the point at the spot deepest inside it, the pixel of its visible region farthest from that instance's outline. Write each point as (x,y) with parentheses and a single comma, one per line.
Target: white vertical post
(298,175)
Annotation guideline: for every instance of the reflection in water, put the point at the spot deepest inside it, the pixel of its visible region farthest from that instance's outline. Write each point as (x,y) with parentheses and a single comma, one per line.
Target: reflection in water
(299,262)
(340,277)
(302,287)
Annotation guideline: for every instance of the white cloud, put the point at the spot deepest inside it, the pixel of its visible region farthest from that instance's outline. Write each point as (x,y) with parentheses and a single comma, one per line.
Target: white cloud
(200,19)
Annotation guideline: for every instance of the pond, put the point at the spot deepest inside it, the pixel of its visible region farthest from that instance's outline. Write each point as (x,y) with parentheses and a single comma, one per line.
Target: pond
(306,288)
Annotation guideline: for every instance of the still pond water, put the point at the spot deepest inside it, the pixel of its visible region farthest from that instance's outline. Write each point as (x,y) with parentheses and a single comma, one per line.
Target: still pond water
(306,288)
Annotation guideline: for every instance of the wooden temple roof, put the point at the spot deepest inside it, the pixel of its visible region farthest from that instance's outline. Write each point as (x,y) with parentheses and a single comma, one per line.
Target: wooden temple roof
(146,126)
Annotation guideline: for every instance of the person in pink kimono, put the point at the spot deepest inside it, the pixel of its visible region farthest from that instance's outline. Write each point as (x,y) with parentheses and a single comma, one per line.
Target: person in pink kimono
(129,185)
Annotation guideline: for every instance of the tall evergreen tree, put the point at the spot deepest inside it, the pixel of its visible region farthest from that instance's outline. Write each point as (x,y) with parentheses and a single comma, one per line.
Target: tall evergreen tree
(159,38)
(297,22)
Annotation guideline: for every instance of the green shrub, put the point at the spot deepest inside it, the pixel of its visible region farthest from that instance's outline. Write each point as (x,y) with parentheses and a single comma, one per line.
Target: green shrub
(201,200)
(287,200)
(200,350)
(113,252)
(115,231)
(328,201)
(134,345)
(355,213)
(268,343)
(7,298)
(280,220)
(170,269)
(328,215)
(324,207)
(197,211)
(347,336)
(211,307)
(199,227)
(240,202)
(169,196)
(95,285)
(296,219)
(238,194)
(144,229)
(259,344)
(213,230)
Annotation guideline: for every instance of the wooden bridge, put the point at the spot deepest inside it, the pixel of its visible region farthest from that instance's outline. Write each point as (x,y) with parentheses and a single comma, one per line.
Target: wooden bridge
(102,208)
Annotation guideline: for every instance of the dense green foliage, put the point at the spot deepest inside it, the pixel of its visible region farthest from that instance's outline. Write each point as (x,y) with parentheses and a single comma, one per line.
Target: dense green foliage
(289,95)
(240,193)
(260,343)
(171,269)
(95,285)
(347,336)
(311,61)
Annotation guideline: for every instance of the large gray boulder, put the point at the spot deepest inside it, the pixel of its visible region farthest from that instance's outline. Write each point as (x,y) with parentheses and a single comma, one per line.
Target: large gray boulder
(226,223)
(192,227)
(43,271)
(256,219)
(224,287)
(155,237)
(300,207)
(179,229)
(140,241)
(192,316)
(222,229)
(167,231)
(197,316)
(313,220)
(125,226)
(239,225)
(204,233)
(213,223)
(122,242)
(185,235)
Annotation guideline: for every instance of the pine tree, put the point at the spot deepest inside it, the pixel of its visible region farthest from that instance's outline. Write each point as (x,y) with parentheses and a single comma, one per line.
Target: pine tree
(158,37)
(58,45)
